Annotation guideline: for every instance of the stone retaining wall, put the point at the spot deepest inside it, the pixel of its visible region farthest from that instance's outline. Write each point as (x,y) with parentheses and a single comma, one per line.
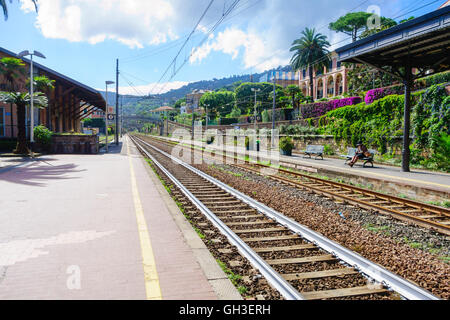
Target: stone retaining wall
(78,144)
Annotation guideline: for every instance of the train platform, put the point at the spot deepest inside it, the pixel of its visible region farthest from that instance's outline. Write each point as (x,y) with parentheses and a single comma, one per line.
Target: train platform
(418,184)
(99,227)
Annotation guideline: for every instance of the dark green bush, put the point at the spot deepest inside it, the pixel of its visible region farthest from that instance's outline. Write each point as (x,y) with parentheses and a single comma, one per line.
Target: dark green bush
(42,135)
(286,144)
(228,121)
(7,144)
(378,123)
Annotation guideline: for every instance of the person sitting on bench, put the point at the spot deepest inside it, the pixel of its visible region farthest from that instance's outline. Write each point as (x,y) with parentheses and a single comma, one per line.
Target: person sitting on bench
(361,153)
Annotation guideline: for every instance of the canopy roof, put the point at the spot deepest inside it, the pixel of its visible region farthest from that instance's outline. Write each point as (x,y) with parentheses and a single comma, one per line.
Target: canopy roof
(422,43)
(85,93)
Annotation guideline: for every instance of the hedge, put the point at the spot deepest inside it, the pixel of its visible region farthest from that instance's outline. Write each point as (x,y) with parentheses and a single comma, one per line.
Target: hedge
(228,121)
(377,123)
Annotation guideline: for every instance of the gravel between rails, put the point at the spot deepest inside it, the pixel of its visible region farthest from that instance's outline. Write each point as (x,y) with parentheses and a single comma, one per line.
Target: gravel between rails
(385,246)
(379,238)
(247,280)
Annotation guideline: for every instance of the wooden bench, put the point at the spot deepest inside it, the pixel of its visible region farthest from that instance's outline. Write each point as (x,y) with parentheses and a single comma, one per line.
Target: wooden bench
(314,149)
(352,151)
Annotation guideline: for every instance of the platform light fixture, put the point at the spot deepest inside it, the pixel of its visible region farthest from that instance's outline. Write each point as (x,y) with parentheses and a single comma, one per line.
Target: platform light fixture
(40,55)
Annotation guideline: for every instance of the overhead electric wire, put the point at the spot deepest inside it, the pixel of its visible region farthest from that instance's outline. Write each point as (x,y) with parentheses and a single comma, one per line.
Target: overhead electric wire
(338,42)
(186,41)
(174,43)
(230,8)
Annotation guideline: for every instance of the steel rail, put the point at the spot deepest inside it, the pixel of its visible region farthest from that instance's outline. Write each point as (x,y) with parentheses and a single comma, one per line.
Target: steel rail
(274,278)
(411,203)
(445,229)
(435,225)
(396,283)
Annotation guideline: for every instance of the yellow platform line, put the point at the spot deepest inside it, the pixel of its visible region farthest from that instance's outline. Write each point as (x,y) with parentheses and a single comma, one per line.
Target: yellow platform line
(152,286)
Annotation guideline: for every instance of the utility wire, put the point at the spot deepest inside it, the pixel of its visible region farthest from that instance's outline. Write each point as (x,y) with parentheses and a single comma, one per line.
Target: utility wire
(230,8)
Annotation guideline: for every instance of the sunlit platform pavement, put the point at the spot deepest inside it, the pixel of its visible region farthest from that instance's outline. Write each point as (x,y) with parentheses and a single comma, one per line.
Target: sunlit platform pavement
(97,227)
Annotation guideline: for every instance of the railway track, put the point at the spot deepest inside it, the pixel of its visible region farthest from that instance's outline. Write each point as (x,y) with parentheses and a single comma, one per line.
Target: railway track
(295,260)
(419,213)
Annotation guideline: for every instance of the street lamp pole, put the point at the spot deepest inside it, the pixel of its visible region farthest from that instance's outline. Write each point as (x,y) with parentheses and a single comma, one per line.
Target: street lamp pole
(21,55)
(106,114)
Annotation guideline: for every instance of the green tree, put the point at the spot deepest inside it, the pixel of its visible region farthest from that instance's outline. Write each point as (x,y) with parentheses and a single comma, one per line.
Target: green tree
(310,51)
(21,100)
(220,102)
(245,97)
(94,123)
(295,93)
(362,78)
(385,23)
(351,23)
(11,69)
(43,84)
(179,103)
(4,6)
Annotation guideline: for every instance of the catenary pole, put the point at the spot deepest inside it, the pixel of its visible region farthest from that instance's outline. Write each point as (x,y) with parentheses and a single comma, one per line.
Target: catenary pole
(273,112)
(117,103)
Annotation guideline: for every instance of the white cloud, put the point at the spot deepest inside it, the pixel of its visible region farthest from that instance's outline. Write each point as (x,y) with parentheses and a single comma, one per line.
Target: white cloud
(258,33)
(257,52)
(134,23)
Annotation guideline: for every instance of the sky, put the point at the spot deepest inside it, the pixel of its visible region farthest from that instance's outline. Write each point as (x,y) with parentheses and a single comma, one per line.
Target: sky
(83,38)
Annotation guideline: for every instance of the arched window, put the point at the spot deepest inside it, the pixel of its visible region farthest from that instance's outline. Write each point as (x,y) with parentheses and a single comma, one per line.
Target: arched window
(339,85)
(319,89)
(330,87)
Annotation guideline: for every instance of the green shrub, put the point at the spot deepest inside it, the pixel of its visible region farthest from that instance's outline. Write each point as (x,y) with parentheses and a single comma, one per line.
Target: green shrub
(228,121)
(8,145)
(42,135)
(265,116)
(298,130)
(328,150)
(286,144)
(378,123)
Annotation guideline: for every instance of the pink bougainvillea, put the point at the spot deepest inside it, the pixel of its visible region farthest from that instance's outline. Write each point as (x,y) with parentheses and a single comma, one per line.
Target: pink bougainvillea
(318,109)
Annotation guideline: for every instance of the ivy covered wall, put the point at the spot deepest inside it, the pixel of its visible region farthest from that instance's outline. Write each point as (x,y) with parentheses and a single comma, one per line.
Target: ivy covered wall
(379,123)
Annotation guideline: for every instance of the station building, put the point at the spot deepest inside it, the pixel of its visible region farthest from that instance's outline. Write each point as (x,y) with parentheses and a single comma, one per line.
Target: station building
(329,82)
(281,78)
(193,101)
(68,103)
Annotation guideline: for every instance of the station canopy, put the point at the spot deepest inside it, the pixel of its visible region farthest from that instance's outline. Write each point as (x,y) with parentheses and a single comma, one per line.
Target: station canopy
(87,94)
(407,51)
(422,43)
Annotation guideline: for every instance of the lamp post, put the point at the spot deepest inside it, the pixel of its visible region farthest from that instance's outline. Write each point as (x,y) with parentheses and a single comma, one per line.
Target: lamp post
(273,113)
(106,113)
(40,55)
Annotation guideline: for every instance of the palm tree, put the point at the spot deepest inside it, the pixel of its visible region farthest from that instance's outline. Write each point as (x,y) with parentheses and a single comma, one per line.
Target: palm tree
(11,69)
(5,7)
(310,52)
(21,100)
(43,84)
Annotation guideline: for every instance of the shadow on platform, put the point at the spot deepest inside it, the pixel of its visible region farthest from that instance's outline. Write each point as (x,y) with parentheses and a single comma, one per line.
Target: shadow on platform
(36,175)
(114,149)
